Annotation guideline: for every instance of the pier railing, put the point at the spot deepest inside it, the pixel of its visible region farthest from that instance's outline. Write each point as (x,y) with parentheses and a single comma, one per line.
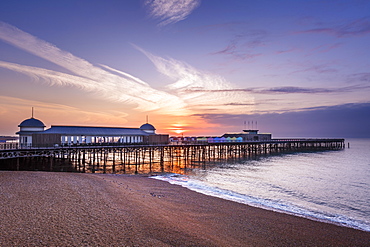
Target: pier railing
(9,145)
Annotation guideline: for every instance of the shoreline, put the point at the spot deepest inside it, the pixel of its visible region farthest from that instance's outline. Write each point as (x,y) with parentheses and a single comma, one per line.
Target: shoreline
(49,209)
(257,205)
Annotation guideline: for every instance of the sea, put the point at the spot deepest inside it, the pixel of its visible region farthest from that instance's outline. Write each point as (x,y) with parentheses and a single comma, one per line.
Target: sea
(328,186)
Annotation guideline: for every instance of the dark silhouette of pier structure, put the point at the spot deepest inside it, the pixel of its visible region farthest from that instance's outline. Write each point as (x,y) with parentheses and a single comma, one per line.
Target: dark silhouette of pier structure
(132,159)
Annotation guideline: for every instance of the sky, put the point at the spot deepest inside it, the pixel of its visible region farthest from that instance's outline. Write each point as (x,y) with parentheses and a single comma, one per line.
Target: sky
(293,68)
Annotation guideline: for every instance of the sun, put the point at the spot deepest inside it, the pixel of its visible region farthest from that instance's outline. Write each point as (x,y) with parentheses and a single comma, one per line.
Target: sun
(179,131)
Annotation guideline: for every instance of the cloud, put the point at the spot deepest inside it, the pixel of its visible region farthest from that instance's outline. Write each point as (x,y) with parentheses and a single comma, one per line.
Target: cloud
(317,68)
(359,77)
(339,121)
(171,11)
(353,28)
(111,84)
(201,91)
(243,45)
(52,77)
(215,93)
(233,51)
(326,48)
(303,90)
(283,90)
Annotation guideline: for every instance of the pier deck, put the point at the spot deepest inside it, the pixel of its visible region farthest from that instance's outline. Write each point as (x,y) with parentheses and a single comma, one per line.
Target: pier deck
(153,158)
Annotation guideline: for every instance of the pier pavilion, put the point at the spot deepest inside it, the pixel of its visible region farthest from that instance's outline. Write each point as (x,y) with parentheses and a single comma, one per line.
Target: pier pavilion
(32,133)
(249,135)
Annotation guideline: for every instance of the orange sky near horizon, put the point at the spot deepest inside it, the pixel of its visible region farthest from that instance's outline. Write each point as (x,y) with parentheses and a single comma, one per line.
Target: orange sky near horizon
(18,110)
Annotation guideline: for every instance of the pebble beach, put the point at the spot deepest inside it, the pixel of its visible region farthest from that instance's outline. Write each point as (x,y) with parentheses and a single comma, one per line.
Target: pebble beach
(74,209)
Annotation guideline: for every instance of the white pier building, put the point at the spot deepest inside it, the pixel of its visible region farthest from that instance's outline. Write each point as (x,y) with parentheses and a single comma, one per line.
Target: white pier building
(32,133)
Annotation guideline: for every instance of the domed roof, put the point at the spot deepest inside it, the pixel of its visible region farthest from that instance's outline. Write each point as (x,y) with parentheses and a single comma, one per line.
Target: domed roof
(32,122)
(147,127)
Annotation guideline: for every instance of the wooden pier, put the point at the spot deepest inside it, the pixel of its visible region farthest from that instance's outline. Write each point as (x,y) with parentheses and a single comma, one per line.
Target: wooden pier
(132,159)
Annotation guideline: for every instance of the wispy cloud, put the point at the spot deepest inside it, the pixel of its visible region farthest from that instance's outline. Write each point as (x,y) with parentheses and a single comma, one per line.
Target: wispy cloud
(359,77)
(170,11)
(284,90)
(201,91)
(286,51)
(109,83)
(323,68)
(118,86)
(353,28)
(325,48)
(243,45)
(304,90)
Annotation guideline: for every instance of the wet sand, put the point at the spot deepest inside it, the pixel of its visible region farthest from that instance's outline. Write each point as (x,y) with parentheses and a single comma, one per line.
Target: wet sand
(71,209)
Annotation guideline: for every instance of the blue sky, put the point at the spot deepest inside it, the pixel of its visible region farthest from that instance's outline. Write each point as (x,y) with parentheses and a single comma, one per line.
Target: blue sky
(299,68)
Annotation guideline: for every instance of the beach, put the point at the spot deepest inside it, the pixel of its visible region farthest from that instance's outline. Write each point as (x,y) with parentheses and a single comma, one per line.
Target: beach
(75,209)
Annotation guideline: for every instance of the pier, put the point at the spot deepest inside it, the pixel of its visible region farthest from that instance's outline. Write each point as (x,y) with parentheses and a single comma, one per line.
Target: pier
(133,159)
